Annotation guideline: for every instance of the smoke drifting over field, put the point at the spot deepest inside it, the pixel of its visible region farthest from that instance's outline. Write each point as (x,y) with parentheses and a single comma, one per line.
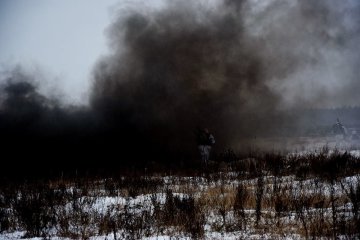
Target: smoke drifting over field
(229,66)
(232,66)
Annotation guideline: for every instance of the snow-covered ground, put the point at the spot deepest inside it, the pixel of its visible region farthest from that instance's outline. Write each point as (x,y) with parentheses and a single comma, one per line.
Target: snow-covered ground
(222,204)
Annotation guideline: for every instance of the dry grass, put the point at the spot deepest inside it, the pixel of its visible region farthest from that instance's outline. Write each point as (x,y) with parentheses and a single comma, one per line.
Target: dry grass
(264,202)
(214,197)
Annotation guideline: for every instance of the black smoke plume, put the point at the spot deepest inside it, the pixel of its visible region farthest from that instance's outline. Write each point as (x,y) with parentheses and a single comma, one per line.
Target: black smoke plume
(239,68)
(180,68)
(234,67)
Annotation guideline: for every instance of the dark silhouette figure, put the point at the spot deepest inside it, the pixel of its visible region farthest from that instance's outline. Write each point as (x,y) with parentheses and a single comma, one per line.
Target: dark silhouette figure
(205,140)
(339,129)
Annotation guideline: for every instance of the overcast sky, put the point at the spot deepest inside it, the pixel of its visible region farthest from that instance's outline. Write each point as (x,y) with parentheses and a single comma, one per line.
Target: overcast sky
(61,38)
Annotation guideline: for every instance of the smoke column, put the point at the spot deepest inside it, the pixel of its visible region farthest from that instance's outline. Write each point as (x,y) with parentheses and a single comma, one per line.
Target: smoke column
(240,68)
(232,66)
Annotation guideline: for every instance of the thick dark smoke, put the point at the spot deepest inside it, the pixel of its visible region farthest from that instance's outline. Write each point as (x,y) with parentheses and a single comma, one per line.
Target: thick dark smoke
(231,67)
(40,136)
(180,68)
(240,68)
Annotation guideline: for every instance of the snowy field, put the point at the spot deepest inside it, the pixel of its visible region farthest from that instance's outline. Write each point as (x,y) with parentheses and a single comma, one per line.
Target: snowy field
(295,196)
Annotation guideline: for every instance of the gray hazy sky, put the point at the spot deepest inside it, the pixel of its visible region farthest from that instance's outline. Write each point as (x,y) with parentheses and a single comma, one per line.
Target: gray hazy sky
(60,38)
(63,39)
